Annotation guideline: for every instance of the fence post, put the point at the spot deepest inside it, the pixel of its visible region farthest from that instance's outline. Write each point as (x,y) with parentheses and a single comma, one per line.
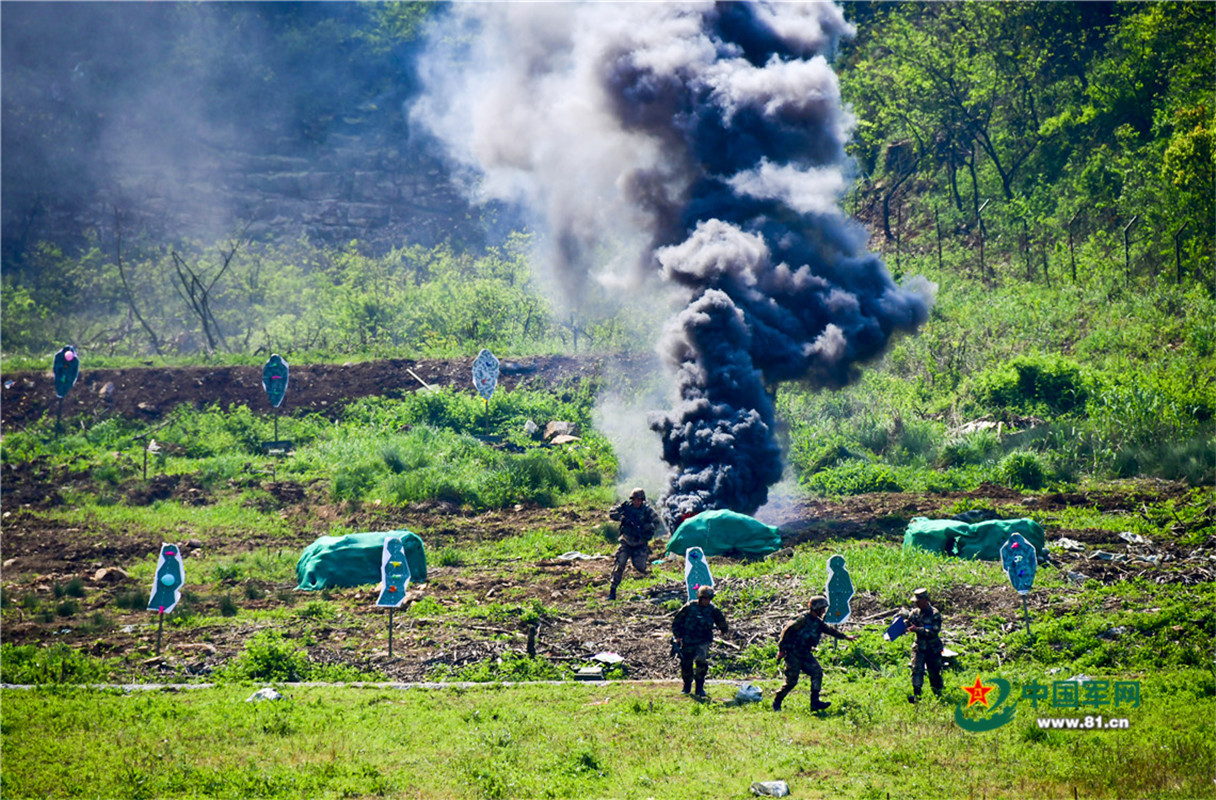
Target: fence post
(1127,247)
(979,212)
(937,222)
(1178,249)
(1072,253)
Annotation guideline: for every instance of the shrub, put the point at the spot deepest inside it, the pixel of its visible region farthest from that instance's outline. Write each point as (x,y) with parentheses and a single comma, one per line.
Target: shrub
(1034,384)
(1022,469)
(977,448)
(228,607)
(68,608)
(854,477)
(449,557)
(268,657)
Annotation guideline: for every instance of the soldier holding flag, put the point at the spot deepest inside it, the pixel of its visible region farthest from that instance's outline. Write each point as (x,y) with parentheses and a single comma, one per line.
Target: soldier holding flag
(797,646)
(926,623)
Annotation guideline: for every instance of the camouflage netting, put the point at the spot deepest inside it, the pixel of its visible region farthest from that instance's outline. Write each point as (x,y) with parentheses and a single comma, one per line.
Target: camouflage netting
(723,532)
(981,540)
(354,560)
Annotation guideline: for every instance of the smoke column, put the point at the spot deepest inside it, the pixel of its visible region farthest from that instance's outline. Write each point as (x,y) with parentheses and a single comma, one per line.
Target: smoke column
(697,145)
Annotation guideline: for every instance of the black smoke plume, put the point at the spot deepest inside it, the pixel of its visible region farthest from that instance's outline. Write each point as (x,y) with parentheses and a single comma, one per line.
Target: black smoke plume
(703,146)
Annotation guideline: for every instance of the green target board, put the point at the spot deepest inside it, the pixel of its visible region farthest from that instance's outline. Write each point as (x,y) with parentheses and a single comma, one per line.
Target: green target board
(66,369)
(167,586)
(274,379)
(394,574)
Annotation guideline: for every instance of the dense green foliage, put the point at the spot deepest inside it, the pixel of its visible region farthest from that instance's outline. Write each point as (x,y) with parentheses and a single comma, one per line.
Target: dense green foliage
(1092,358)
(1074,123)
(437,445)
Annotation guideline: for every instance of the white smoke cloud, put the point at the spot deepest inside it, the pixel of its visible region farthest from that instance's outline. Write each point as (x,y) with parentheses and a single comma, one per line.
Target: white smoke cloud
(694,147)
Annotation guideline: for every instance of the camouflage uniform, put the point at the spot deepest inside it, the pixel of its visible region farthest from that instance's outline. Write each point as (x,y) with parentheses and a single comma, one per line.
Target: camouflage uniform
(928,652)
(798,641)
(694,626)
(638,525)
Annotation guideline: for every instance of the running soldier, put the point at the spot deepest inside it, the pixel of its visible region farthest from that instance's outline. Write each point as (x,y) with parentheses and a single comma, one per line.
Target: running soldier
(639,524)
(797,646)
(693,628)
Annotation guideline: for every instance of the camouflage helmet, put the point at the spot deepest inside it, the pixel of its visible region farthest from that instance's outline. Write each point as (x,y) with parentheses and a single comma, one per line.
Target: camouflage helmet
(818,602)
(920,594)
(705,591)
(638,492)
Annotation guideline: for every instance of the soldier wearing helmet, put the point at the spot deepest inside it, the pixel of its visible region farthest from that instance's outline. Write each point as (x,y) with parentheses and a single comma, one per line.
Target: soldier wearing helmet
(926,623)
(797,644)
(639,524)
(693,629)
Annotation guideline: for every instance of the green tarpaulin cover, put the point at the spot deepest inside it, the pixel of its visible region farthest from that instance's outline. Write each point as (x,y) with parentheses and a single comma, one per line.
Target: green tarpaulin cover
(720,532)
(981,540)
(354,560)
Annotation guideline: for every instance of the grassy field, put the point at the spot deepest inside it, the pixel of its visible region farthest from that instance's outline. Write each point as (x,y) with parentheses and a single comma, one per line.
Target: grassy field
(593,740)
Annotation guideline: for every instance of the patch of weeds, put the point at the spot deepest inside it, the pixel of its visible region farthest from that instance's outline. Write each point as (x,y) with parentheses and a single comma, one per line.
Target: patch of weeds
(259,500)
(228,606)
(98,623)
(225,572)
(320,610)
(426,607)
(30,664)
(757,660)
(1023,469)
(68,608)
(131,600)
(508,667)
(268,657)
(449,557)
(253,591)
(854,477)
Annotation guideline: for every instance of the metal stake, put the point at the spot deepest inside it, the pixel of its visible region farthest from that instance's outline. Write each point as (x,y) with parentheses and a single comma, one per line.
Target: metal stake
(1026,612)
(390,632)
(160,626)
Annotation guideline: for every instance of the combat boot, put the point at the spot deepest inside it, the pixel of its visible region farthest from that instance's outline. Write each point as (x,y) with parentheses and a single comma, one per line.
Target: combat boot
(701,689)
(612,593)
(915,696)
(687,687)
(817,704)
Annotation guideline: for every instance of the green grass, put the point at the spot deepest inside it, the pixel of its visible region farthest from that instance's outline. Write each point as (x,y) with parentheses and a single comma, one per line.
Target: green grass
(226,518)
(580,740)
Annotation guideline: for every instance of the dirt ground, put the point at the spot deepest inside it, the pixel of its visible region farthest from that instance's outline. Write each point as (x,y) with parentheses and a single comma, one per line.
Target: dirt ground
(40,555)
(324,388)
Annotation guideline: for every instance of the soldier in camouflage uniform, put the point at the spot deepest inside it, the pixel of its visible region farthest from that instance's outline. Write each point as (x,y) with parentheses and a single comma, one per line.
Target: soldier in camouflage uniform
(693,628)
(926,623)
(639,524)
(797,645)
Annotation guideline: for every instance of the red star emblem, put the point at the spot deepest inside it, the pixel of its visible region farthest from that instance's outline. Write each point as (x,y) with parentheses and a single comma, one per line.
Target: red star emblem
(978,692)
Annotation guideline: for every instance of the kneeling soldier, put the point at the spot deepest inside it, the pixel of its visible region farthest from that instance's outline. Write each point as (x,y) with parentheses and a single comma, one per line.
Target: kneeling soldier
(693,628)
(797,644)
